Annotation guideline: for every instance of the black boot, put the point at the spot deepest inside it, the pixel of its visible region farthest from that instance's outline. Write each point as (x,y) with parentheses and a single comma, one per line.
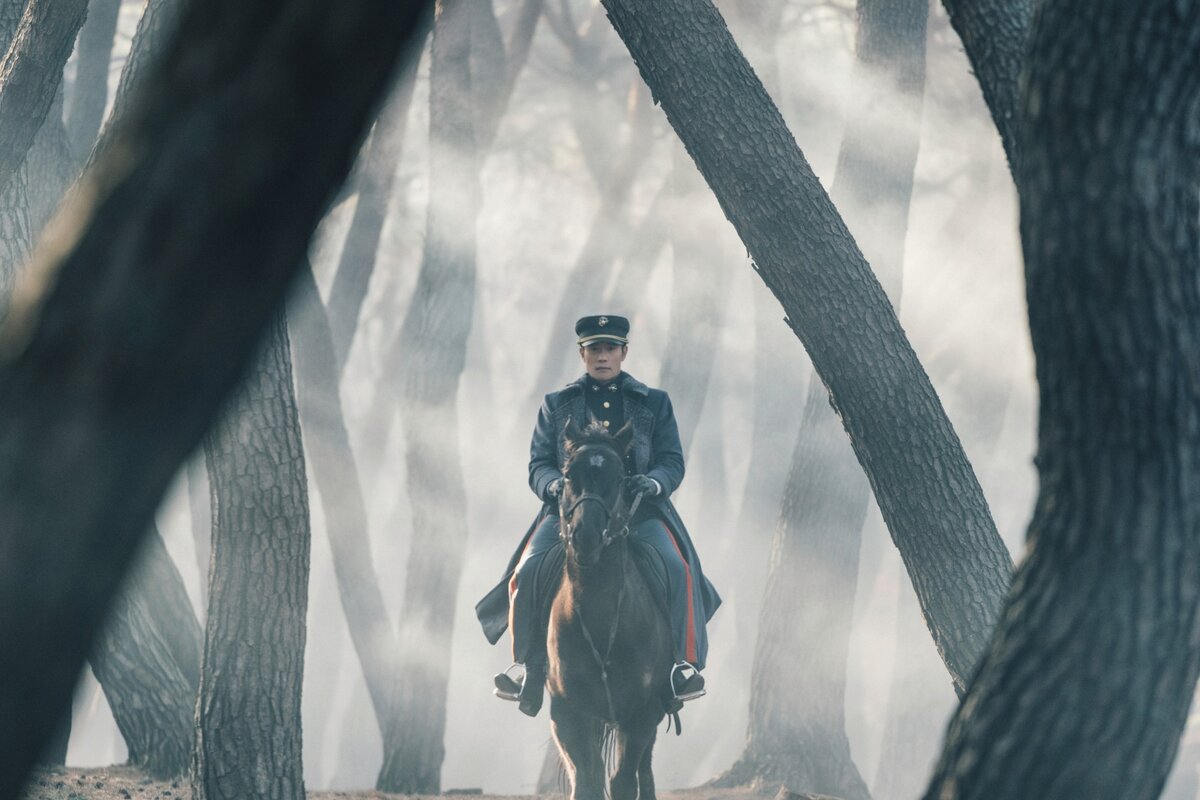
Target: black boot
(532,690)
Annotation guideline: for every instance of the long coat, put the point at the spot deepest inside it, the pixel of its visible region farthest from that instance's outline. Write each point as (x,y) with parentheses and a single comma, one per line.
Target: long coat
(656,453)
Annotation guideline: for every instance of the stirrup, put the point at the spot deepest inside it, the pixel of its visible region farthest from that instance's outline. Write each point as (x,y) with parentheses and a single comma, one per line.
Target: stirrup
(690,683)
(508,686)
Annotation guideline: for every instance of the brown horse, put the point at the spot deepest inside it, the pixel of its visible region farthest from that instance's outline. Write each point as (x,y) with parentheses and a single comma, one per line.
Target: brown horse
(609,645)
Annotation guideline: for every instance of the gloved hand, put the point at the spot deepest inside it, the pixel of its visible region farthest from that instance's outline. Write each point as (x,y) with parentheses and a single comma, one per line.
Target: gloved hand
(644,485)
(555,488)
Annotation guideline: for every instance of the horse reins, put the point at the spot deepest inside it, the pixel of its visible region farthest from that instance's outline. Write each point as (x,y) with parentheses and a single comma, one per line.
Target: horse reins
(606,538)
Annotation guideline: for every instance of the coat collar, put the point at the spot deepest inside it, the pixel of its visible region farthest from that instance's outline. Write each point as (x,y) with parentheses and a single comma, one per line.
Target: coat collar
(630,384)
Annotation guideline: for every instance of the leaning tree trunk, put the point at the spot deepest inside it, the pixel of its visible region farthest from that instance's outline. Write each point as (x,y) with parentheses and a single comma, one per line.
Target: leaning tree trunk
(111,408)
(94,55)
(434,339)
(925,487)
(15,235)
(148,665)
(248,741)
(1086,686)
(797,733)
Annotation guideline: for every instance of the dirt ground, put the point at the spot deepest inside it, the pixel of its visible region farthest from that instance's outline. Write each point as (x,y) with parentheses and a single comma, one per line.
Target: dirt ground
(126,783)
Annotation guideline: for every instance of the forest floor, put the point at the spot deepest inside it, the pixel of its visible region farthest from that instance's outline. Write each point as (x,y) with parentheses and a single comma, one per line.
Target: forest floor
(127,783)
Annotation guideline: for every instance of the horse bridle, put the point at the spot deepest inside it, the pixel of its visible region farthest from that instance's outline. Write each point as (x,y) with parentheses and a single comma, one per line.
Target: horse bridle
(607,537)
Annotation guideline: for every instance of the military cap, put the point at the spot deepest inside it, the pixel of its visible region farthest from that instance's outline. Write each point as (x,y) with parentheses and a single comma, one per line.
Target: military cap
(602,328)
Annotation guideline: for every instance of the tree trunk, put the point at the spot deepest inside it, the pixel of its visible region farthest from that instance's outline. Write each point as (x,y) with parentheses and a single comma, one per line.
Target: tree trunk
(994,34)
(1087,683)
(143,660)
(376,180)
(94,59)
(925,487)
(165,271)
(433,350)
(248,741)
(797,733)
(15,235)
(30,75)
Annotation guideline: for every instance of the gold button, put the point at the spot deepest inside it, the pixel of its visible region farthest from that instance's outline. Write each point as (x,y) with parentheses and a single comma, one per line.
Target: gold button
(606,404)
(606,423)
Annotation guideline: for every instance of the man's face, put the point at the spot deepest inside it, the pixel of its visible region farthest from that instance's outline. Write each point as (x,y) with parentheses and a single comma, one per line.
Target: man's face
(603,360)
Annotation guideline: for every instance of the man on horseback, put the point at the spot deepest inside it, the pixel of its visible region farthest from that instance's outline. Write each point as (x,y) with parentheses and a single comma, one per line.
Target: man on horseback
(610,397)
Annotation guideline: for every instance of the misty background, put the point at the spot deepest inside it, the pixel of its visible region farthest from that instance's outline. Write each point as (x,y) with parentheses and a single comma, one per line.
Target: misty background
(962,307)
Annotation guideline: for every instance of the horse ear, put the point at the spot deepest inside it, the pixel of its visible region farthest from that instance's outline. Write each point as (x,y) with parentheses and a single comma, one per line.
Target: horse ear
(623,438)
(572,434)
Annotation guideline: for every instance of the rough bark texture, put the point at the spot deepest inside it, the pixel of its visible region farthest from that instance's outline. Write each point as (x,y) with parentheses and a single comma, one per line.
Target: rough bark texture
(15,235)
(94,58)
(248,741)
(926,490)
(433,350)
(994,34)
(797,733)
(30,74)
(1086,686)
(167,265)
(148,662)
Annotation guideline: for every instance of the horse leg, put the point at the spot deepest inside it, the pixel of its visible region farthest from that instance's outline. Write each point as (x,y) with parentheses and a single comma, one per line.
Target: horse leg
(578,739)
(633,745)
(645,772)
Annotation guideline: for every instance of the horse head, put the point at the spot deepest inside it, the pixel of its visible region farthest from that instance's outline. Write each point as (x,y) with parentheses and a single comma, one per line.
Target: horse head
(592,504)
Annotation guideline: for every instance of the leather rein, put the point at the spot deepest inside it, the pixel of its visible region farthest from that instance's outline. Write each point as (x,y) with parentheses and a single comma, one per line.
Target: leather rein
(606,538)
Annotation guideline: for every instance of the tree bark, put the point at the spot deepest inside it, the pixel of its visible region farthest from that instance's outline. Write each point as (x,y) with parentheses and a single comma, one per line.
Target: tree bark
(30,74)
(926,490)
(90,95)
(1086,686)
(146,667)
(15,235)
(797,734)
(248,741)
(994,34)
(166,267)
(433,350)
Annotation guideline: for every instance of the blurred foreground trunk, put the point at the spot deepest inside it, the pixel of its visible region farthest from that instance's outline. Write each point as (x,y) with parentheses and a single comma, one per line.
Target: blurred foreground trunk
(926,490)
(168,265)
(248,741)
(797,731)
(1085,688)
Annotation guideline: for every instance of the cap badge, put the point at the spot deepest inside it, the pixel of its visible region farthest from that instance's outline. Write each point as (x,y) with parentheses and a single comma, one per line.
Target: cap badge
(603,321)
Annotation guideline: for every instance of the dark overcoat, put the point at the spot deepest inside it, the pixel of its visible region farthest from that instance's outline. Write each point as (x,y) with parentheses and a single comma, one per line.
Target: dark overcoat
(656,453)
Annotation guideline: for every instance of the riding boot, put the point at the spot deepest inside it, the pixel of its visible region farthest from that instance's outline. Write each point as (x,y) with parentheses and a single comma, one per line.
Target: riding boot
(532,689)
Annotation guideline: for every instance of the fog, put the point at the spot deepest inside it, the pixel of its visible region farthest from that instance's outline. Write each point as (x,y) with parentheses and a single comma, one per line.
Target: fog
(962,307)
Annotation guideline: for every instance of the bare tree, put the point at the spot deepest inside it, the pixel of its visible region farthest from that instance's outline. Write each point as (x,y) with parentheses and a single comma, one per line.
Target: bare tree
(168,264)
(248,741)
(797,733)
(1085,688)
(925,487)
(94,59)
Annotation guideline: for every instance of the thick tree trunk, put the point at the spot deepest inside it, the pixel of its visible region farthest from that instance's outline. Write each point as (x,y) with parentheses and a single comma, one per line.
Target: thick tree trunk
(148,662)
(15,234)
(925,487)
(94,58)
(167,266)
(248,741)
(1086,686)
(30,75)
(434,341)
(797,733)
